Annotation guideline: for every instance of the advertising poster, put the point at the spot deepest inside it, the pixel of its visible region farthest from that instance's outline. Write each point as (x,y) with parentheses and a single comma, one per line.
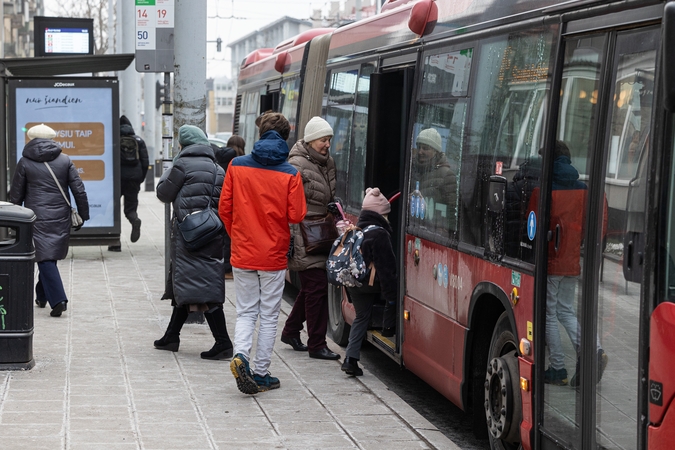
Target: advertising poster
(84,114)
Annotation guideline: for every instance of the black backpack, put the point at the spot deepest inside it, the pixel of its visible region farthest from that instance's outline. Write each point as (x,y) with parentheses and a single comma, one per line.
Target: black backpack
(129,150)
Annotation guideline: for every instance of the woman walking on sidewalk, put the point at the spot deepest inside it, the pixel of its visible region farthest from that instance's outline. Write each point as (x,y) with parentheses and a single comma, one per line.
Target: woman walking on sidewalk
(35,187)
(194,181)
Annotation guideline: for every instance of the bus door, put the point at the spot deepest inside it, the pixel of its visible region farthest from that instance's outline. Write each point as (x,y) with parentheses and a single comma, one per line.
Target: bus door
(595,206)
(389,109)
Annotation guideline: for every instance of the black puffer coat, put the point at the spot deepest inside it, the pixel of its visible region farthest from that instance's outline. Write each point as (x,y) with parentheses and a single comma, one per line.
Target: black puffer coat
(34,187)
(135,172)
(377,248)
(197,277)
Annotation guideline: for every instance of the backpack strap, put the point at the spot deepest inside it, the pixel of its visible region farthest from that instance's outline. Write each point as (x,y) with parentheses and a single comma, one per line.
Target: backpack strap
(371,266)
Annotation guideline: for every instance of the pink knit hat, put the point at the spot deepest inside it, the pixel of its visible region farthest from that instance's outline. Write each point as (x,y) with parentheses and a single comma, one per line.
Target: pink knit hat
(375,201)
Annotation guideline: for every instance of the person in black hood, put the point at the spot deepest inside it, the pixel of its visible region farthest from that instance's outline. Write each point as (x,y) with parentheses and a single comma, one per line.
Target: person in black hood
(35,187)
(378,250)
(133,168)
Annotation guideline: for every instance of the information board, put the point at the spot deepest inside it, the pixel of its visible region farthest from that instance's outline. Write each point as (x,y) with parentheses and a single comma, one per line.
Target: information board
(154,35)
(84,112)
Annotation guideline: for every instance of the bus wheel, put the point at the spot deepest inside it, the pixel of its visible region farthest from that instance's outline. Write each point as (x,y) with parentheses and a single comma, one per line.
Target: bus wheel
(503,408)
(338,329)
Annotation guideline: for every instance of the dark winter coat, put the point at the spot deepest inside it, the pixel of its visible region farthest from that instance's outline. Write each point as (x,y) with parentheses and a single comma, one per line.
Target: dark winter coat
(136,172)
(34,187)
(438,180)
(377,248)
(318,179)
(194,181)
(518,193)
(223,155)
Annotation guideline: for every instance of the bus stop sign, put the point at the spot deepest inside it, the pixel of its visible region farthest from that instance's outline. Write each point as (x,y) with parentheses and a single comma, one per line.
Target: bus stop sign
(154,35)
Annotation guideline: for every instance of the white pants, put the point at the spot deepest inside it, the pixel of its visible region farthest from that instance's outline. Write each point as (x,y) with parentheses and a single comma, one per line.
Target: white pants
(258,296)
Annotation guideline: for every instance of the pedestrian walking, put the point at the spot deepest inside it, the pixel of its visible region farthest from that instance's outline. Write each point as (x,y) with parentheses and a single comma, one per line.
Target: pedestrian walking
(378,251)
(41,167)
(196,280)
(262,193)
(311,157)
(133,168)
(234,147)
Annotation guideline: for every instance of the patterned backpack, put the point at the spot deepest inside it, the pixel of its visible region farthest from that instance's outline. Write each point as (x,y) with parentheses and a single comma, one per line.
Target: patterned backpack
(345,265)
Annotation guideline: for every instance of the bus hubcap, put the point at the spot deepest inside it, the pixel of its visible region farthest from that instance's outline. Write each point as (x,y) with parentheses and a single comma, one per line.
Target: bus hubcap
(500,401)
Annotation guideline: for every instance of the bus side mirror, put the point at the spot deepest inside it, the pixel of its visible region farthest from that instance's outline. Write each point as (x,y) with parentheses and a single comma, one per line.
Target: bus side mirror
(668,56)
(496,194)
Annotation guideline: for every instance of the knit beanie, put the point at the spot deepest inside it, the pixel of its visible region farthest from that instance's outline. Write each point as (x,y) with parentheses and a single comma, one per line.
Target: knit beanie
(190,134)
(41,131)
(317,128)
(431,138)
(375,201)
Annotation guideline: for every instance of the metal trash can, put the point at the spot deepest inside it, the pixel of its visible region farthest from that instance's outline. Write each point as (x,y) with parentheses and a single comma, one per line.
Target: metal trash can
(17,253)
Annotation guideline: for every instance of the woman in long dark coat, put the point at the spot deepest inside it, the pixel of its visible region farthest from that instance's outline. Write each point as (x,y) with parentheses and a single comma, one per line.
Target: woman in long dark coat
(196,277)
(35,188)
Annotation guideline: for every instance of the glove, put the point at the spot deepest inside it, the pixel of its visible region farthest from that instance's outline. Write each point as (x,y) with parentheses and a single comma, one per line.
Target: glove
(77,228)
(333,209)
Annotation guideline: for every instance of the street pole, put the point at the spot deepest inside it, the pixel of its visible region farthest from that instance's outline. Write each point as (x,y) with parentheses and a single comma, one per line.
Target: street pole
(190,73)
(150,109)
(167,155)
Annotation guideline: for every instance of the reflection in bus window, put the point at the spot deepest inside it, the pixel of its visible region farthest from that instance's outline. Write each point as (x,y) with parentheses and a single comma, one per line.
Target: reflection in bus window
(447,73)
(249,112)
(434,170)
(505,135)
(290,93)
(357,172)
(339,114)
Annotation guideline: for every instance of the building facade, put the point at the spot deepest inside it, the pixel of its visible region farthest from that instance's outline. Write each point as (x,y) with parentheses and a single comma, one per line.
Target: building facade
(17,27)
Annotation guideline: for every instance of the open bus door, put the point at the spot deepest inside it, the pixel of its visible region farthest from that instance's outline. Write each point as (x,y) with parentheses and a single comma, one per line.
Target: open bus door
(661,388)
(590,393)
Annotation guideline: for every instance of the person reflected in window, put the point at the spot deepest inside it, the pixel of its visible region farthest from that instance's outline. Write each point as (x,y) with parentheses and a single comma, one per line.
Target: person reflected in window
(518,193)
(568,210)
(437,180)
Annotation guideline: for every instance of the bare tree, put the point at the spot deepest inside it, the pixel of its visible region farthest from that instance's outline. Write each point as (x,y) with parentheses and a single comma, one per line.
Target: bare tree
(90,9)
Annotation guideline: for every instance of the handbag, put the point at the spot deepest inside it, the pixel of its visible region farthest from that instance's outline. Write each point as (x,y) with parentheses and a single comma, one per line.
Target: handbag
(75,219)
(201,227)
(318,234)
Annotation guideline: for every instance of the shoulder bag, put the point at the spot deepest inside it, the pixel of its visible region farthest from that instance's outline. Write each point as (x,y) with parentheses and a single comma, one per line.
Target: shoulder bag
(201,227)
(75,219)
(318,234)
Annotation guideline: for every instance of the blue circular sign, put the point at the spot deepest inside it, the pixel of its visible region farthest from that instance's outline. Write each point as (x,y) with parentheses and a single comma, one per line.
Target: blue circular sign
(531,225)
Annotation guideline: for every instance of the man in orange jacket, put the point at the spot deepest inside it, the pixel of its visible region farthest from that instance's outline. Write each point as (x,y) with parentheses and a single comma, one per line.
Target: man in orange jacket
(261,194)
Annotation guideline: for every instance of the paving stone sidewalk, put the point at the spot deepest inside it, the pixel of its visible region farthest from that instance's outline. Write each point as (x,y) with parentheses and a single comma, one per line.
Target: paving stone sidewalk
(98,383)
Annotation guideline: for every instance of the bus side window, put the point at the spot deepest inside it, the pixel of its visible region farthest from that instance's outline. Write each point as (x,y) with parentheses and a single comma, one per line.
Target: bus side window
(505,134)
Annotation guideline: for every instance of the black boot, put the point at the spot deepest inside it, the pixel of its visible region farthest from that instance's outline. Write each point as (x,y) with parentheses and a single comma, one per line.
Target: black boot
(351,367)
(171,339)
(222,349)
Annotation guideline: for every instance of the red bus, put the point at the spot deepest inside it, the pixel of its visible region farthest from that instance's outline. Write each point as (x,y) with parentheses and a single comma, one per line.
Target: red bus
(537,278)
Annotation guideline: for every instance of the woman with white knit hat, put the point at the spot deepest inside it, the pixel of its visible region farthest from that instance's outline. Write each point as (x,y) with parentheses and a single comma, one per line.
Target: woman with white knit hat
(34,185)
(311,157)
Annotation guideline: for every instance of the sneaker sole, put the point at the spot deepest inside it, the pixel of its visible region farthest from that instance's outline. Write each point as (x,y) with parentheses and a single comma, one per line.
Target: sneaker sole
(245,382)
(264,388)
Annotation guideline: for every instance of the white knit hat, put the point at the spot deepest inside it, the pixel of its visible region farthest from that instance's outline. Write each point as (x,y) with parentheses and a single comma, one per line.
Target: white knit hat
(41,131)
(431,138)
(317,128)
(375,201)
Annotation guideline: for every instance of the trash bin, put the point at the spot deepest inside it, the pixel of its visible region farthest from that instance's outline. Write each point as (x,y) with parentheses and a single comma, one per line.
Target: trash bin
(16,287)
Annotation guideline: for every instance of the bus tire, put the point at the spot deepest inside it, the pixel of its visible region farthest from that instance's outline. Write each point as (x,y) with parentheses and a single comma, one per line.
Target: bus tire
(503,407)
(337,327)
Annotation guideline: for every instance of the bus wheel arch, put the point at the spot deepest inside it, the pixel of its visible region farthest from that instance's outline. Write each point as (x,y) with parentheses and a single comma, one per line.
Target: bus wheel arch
(503,405)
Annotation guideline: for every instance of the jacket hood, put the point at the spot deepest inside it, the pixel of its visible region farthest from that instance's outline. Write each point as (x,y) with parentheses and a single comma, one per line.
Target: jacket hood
(565,176)
(190,134)
(41,150)
(270,150)
(196,150)
(126,130)
(368,217)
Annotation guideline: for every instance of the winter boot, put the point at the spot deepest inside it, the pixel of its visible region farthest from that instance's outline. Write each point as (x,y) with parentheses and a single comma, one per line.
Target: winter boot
(171,339)
(222,349)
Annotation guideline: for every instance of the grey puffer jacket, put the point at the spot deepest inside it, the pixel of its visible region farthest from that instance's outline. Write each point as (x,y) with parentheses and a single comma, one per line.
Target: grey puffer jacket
(318,179)
(196,277)
(34,187)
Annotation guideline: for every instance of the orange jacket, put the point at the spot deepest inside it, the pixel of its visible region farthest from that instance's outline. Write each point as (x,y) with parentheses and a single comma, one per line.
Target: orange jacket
(261,194)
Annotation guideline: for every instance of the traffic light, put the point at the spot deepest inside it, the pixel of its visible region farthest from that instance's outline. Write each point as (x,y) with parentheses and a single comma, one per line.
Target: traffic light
(219,43)
(159,93)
